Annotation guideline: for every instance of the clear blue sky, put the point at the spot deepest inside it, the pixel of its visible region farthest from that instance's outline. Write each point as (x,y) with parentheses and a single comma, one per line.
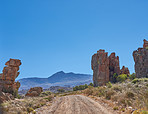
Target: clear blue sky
(54,35)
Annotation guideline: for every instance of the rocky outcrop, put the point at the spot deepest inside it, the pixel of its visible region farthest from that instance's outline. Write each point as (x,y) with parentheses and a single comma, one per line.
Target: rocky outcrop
(104,67)
(141,60)
(113,65)
(7,78)
(100,67)
(34,92)
(124,70)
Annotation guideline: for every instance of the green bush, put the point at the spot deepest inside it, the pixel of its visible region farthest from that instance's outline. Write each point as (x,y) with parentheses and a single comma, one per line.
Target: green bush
(80,87)
(116,108)
(91,84)
(30,109)
(49,98)
(122,78)
(132,76)
(46,93)
(109,84)
(61,90)
(139,80)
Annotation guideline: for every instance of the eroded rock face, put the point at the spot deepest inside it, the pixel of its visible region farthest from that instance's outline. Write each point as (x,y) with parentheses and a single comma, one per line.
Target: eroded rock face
(7,78)
(141,60)
(124,70)
(34,92)
(104,67)
(100,67)
(113,65)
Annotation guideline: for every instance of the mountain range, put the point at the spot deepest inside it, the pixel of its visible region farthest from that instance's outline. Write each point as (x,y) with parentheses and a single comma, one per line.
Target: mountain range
(58,79)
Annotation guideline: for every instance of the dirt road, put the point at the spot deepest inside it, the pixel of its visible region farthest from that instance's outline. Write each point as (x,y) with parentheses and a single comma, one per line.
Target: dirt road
(74,104)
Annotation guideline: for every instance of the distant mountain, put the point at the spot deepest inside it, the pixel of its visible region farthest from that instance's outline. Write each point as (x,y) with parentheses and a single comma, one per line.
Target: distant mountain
(58,79)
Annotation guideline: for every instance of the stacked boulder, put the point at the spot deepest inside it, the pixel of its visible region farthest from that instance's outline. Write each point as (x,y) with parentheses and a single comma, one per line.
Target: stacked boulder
(141,60)
(7,78)
(105,67)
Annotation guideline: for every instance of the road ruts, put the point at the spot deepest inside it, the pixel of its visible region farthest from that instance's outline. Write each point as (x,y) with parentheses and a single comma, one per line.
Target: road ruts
(74,104)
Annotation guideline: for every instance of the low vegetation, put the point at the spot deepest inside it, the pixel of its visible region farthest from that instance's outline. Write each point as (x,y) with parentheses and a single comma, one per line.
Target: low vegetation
(128,93)
(125,91)
(27,104)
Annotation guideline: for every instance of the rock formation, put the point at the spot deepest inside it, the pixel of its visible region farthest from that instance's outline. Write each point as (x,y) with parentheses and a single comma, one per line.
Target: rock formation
(124,70)
(113,65)
(7,78)
(34,92)
(141,60)
(100,67)
(104,67)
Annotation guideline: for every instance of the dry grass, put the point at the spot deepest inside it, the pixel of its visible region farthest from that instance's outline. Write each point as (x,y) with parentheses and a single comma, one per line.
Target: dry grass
(126,94)
(26,105)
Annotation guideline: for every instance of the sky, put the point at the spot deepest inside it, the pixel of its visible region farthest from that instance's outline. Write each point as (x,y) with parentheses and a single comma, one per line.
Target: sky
(62,35)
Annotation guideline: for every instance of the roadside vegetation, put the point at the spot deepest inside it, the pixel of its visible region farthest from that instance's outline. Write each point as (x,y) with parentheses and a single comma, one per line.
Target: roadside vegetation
(28,104)
(126,91)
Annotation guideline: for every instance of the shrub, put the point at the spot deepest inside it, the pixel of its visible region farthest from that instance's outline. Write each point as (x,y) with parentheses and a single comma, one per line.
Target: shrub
(80,87)
(135,80)
(132,76)
(15,93)
(116,88)
(46,93)
(49,98)
(139,80)
(109,84)
(30,109)
(89,90)
(91,84)
(61,90)
(101,91)
(123,109)
(129,94)
(109,94)
(116,108)
(122,78)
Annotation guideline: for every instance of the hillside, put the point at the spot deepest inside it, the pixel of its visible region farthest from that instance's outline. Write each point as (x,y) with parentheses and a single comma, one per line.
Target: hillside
(58,79)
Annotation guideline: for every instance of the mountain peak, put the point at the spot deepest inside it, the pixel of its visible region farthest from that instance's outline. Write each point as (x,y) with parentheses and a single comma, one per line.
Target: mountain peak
(60,72)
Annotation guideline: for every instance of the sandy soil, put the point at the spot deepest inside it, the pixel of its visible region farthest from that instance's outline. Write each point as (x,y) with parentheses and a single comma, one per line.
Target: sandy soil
(74,104)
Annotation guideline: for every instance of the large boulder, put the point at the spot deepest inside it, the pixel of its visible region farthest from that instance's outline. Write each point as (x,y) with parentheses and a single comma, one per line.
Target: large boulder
(141,60)
(34,92)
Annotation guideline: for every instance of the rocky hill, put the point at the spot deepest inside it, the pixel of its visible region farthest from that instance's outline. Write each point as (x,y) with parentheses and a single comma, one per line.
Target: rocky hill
(58,79)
